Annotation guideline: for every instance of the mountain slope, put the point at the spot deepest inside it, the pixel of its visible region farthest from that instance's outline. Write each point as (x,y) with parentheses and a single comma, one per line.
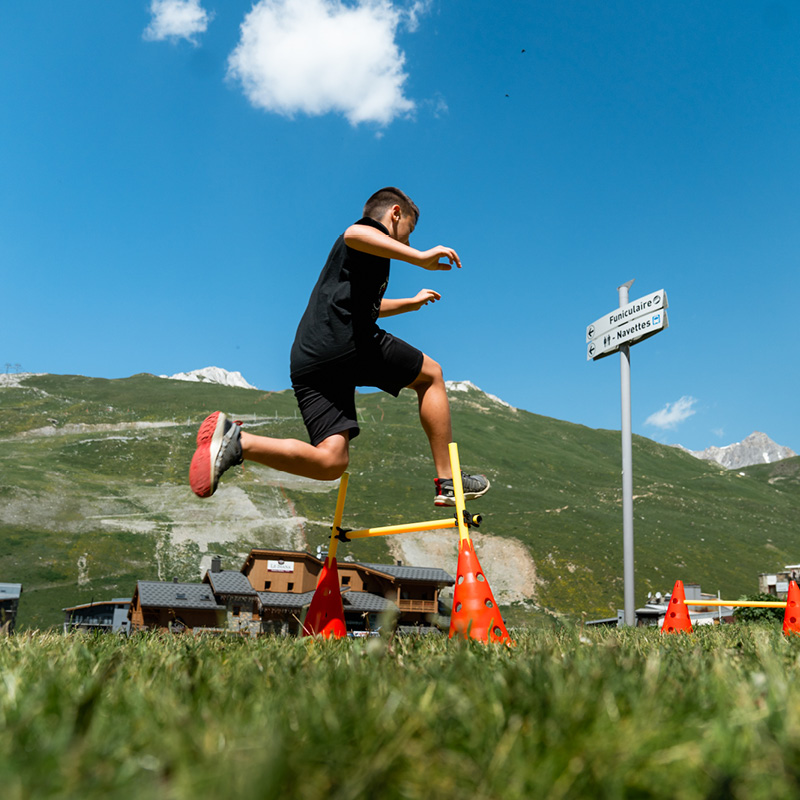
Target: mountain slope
(93,496)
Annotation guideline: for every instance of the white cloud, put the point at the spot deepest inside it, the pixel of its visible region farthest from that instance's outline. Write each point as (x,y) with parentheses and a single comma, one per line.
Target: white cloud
(417,9)
(672,414)
(176,19)
(320,56)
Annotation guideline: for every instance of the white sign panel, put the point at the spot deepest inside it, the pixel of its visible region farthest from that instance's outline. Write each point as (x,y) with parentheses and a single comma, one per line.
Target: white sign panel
(630,333)
(280,566)
(622,316)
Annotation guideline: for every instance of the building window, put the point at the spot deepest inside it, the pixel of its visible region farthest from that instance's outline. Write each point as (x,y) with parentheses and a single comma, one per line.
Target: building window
(289,587)
(345,580)
(267,584)
(237,610)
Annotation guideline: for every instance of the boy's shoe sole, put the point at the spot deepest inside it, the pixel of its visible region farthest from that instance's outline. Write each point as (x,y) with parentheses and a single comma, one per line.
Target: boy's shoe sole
(450,500)
(209,440)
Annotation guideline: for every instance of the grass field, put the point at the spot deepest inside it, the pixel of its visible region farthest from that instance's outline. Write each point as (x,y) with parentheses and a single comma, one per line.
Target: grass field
(566,713)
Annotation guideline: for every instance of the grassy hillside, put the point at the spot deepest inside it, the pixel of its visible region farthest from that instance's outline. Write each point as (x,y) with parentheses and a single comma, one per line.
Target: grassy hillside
(93,496)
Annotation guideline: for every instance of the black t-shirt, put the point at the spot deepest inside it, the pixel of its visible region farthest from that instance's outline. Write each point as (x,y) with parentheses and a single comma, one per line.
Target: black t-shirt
(343,307)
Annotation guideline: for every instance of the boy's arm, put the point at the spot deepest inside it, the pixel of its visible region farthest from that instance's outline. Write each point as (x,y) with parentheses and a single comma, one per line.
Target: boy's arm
(392,307)
(370,240)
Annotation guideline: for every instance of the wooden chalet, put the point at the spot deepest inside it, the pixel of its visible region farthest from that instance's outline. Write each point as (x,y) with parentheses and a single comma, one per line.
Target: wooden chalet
(233,591)
(286,580)
(175,607)
(109,616)
(10,594)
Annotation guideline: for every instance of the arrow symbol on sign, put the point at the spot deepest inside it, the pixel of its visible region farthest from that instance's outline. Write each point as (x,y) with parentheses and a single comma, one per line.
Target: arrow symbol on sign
(591,349)
(591,331)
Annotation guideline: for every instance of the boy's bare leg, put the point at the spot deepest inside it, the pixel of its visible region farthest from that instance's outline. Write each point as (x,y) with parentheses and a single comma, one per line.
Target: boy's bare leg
(325,462)
(434,414)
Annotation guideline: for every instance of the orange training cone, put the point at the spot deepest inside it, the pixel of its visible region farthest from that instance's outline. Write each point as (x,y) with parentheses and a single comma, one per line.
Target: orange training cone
(475,614)
(791,617)
(677,618)
(325,615)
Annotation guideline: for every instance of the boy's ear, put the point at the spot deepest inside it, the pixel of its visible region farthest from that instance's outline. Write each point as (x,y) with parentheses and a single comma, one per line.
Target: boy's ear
(391,216)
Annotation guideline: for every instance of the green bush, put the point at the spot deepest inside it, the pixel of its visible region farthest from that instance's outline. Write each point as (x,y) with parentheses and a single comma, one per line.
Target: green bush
(748,614)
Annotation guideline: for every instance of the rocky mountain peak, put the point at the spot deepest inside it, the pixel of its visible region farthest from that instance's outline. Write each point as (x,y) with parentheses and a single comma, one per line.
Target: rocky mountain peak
(757,448)
(212,375)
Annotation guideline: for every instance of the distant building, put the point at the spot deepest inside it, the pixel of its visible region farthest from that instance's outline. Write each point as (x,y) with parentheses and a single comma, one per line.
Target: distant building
(233,591)
(286,580)
(777,583)
(175,607)
(110,616)
(10,594)
(654,611)
(413,591)
(274,588)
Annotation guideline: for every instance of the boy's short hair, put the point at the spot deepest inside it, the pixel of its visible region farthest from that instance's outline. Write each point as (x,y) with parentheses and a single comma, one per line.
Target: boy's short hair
(385,198)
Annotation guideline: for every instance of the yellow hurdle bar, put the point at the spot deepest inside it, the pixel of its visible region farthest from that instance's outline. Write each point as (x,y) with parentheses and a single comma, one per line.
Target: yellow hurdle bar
(337,517)
(458,490)
(458,520)
(410,527)
(738,603)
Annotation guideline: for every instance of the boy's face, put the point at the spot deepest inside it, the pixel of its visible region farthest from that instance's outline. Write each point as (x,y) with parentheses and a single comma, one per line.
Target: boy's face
(403,226)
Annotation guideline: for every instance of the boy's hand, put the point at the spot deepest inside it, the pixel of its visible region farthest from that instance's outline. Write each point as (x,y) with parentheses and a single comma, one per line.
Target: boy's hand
(391,307)
(431,259)
(424,297)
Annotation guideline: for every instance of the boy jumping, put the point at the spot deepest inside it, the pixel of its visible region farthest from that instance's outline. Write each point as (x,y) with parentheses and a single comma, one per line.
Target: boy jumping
(338,346)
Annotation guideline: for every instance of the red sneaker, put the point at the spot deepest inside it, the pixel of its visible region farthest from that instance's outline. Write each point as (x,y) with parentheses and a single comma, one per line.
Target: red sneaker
(219,447)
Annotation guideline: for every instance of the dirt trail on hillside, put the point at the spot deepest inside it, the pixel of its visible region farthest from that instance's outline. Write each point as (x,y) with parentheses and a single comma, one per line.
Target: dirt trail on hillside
(81,427)
(508,566)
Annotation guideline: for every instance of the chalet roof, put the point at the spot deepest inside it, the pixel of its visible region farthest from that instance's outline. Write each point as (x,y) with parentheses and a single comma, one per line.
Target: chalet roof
(422,574)
(10,591)
(95,603)
(154,594)
(365,601)
(352,601)
(285,599)
(229,582)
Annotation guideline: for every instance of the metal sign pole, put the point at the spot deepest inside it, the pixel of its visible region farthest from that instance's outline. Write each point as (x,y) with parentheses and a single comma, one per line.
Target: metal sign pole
(627,469)
(618,331)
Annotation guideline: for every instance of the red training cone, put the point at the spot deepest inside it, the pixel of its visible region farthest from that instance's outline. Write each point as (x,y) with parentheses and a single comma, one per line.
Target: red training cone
(677,618)
(475,614)
(791,617)
(325,615)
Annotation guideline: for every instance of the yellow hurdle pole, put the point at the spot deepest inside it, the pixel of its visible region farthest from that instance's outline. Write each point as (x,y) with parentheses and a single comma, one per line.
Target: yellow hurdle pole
(458,490)
(409,527)
(337,518)
(738,603)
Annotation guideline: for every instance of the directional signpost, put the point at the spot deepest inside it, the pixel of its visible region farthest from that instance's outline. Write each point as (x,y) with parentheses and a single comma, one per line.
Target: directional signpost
(630,333)
(628,324)
(616,332)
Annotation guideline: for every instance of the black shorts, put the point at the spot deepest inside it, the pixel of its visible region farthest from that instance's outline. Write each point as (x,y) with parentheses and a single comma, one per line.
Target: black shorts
(326,396)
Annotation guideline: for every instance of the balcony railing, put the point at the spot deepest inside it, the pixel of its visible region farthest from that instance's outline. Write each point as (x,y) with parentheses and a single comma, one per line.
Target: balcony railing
(421,606)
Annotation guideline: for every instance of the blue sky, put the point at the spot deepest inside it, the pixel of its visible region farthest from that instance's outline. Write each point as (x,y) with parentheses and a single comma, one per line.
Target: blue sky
(174,174)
